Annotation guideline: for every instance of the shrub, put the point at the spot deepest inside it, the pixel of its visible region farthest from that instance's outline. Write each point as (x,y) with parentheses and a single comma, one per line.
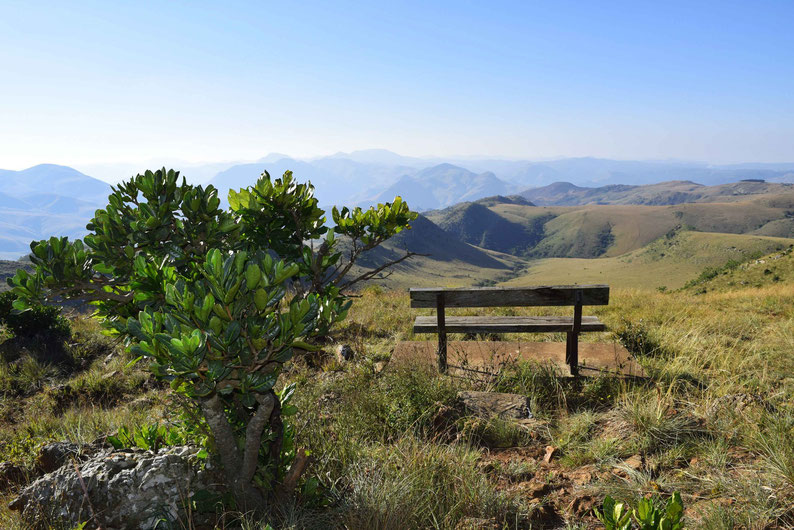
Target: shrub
(37,320)
(203,294)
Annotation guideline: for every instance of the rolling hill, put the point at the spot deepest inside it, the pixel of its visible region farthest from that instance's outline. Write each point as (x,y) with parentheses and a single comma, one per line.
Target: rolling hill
(447,260)
(54,179)
(610,230)
(663,193)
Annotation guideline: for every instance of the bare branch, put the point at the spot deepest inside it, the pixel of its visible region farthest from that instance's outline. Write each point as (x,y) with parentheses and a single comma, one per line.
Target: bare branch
(371,274)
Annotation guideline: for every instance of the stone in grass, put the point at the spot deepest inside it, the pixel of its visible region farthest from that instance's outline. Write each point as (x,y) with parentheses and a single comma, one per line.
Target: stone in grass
(126,489)
(344,353)
(486,405)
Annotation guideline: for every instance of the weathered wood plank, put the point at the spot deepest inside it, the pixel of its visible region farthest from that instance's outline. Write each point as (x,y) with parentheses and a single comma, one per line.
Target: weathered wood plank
(505,324)
(543,295)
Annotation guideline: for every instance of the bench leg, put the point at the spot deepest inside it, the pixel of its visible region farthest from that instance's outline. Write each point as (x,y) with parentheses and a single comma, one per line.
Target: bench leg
(442,352)
(442,334)
(572,353)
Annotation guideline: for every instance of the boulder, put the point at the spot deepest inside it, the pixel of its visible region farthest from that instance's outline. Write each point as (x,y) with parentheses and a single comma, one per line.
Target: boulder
(488,405)
(127,489)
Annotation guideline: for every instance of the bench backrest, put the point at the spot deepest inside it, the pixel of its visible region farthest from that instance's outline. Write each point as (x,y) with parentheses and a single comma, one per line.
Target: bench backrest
(542,295)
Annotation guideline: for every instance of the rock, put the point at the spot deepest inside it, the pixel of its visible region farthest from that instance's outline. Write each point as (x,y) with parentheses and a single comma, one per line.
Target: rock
(379,366)
(494,404)
(53,455)
(126,489)
(11,475)
(344,353)
(551,451)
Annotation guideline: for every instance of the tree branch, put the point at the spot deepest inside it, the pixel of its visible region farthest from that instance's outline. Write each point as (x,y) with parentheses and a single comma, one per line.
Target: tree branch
(371,274)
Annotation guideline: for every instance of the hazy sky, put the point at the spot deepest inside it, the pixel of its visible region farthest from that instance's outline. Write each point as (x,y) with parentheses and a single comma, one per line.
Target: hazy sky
(86,82)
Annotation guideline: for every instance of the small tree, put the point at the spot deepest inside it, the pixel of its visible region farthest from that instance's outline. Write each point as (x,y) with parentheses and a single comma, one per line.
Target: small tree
(217,300)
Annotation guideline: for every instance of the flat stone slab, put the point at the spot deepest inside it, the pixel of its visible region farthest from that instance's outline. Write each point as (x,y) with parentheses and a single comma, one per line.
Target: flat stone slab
(495,405)
(595,358)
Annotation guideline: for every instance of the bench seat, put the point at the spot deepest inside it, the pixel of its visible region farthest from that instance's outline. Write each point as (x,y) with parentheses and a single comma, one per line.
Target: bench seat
(505,324)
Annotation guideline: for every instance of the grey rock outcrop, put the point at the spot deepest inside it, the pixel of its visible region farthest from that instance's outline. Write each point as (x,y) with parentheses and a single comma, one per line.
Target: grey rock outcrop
(127,489)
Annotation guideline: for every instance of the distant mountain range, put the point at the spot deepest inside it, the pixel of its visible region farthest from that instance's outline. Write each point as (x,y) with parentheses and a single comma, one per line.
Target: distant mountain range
(57,200)
(43,201)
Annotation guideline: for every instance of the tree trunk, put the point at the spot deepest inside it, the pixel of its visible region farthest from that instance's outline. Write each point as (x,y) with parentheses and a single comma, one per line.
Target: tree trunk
(247,495)
(277,425)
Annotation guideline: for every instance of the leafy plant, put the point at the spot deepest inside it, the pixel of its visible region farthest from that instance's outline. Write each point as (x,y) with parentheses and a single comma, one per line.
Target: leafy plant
(647,516)
(217,300)
(149,437)
(614,515)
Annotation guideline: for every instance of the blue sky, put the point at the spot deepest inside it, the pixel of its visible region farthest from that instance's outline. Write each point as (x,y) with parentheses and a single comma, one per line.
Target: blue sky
(89,82)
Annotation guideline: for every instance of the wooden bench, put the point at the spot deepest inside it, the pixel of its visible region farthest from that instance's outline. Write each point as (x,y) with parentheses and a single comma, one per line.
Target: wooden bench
(576,296)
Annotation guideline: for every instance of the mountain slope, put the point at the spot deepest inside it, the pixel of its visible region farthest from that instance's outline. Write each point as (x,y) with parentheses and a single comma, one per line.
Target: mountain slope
(43,201)
(54,179)
(610,230)
(449,262)
(477,225)
(443,185)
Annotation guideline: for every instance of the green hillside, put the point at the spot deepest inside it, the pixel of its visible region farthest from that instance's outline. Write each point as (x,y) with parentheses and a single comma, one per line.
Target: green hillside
(443,260)
(671,261)
(476,224)
(764,271)
(613,230)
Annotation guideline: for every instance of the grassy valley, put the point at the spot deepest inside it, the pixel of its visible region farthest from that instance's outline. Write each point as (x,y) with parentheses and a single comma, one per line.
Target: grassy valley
(669,262)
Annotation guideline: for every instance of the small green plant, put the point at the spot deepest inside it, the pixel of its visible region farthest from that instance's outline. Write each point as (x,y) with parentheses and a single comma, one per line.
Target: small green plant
(148,437)
(647,516)
(614,515)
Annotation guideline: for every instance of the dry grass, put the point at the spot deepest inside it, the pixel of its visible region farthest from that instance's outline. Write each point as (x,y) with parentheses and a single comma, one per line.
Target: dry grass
(714,421)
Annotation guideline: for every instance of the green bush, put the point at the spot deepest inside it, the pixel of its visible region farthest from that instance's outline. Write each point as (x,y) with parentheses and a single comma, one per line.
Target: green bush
(218,300)
(39,319)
